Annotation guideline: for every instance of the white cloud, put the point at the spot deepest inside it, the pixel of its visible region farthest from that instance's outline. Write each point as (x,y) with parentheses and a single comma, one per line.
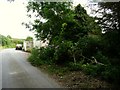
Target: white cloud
(11,17)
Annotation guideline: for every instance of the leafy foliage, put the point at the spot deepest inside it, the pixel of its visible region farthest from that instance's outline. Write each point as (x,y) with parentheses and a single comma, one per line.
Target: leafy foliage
(75,40)
(110,19)
(29,38)
(9,42)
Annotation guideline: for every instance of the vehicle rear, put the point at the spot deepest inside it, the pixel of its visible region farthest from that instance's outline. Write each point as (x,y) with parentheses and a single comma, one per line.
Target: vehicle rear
(19,47)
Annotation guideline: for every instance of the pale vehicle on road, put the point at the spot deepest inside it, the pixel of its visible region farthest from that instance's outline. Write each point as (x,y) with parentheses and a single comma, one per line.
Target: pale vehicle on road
(19,47)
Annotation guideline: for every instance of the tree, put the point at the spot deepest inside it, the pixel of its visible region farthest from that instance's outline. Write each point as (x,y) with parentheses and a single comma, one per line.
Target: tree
(29,38)
(110,23)
(54,13)
(5,41)
(110,19)
(74,37)
(63,26)
(9,37)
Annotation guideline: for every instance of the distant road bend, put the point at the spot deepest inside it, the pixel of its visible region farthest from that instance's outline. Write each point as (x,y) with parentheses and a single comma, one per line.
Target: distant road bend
(18,73)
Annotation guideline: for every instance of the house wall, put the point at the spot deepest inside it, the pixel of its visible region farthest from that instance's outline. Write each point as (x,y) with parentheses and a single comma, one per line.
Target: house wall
(27,45)
(34,44)
(39,43)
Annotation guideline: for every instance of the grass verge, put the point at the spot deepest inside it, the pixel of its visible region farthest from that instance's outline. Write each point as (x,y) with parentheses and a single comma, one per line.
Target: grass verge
(73,79)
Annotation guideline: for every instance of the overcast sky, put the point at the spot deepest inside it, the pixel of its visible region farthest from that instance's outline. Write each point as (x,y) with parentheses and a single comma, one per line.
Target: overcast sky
(13,14)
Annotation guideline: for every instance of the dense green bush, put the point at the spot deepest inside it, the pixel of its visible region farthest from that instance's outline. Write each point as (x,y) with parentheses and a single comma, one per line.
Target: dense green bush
(112,74)
(34,57)
(41,56)
(62,55)
(102,58)
(75,66)
(93,70)
(46,54)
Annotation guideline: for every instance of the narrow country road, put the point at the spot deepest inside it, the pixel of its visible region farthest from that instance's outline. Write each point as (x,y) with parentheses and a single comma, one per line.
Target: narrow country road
(17,72)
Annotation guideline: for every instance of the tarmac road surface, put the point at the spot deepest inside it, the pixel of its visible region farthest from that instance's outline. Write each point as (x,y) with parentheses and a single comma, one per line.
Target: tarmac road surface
(17,72)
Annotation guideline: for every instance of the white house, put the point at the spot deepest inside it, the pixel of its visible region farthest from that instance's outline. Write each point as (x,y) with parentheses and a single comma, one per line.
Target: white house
(27,45)
(39,43)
